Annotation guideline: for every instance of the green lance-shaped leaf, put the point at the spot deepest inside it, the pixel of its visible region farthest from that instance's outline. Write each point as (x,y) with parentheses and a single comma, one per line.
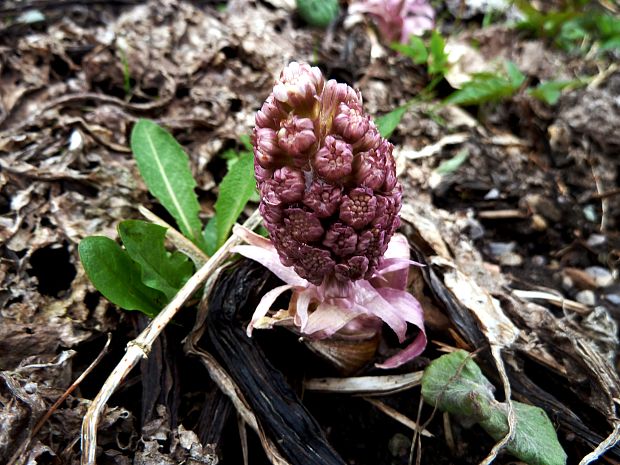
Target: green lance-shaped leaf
(165,168)
(550,91)
(438,63)
(386,124)
(117,276)
(483,88)
(161,270)
(455,384)
(209,235)
(235,189)
(453,164)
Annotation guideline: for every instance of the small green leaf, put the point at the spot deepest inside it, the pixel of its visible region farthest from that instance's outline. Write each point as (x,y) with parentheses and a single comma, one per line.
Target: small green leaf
(454,383)
(319,13)
(453,164)
(161,270)
(515,75)
(535,440)
(236,188)
(415,49)
(386,124)
(483,88)
(246,141)
(210,235)
(439,58)
(117,276)
(165,168)
(449,380)
(550,91)
(610,44)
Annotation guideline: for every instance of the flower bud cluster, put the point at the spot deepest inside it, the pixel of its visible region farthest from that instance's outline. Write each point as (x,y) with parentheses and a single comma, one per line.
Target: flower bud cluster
(327,179)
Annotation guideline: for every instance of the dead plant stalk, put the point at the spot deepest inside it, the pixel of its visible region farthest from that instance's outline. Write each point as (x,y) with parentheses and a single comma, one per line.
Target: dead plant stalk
(141,346)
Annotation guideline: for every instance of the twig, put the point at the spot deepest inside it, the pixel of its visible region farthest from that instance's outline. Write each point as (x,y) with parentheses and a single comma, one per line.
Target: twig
(501,214)
(430,150)
(553,299)
(447,431)
(604,200)
(178,240)
(603,447)
(243,438)
(24,445)
(496,351)
(140,347)
(399,417)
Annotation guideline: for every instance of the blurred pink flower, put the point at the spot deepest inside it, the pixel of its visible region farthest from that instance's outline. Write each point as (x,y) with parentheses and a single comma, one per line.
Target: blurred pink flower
(397,20)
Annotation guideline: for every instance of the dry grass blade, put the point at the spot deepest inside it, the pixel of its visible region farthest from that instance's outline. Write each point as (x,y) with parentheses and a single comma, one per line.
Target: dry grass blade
(430,150)
(604,446)
(496,351)
(17,456)
(140,347)
(366,385)
(551,298)
(399,417)
(178,240)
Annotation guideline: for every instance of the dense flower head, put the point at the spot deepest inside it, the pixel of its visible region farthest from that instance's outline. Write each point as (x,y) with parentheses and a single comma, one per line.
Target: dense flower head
(329,194)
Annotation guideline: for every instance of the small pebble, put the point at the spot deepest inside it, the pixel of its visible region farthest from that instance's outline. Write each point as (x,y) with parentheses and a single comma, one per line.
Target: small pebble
(498,249)
(538,222)
(589,213)
(596,240)
(30,388)
(602,276)
(543,206)
(586,298)
(567,283)
(613,298)
(492,194)
(511,259)
(539,260)
(476,231)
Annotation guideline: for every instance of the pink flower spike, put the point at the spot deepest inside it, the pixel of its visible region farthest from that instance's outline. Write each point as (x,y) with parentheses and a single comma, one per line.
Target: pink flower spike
(330,199)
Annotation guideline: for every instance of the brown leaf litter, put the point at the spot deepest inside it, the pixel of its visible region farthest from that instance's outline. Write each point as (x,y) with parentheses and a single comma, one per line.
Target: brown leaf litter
(70,91)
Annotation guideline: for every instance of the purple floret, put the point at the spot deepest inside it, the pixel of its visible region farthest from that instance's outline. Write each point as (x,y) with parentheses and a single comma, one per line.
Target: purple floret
(334,160)
(303,225)
(358,208)
(296,136)
(341,239)
(314,264)
(351,123)
(323,198)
